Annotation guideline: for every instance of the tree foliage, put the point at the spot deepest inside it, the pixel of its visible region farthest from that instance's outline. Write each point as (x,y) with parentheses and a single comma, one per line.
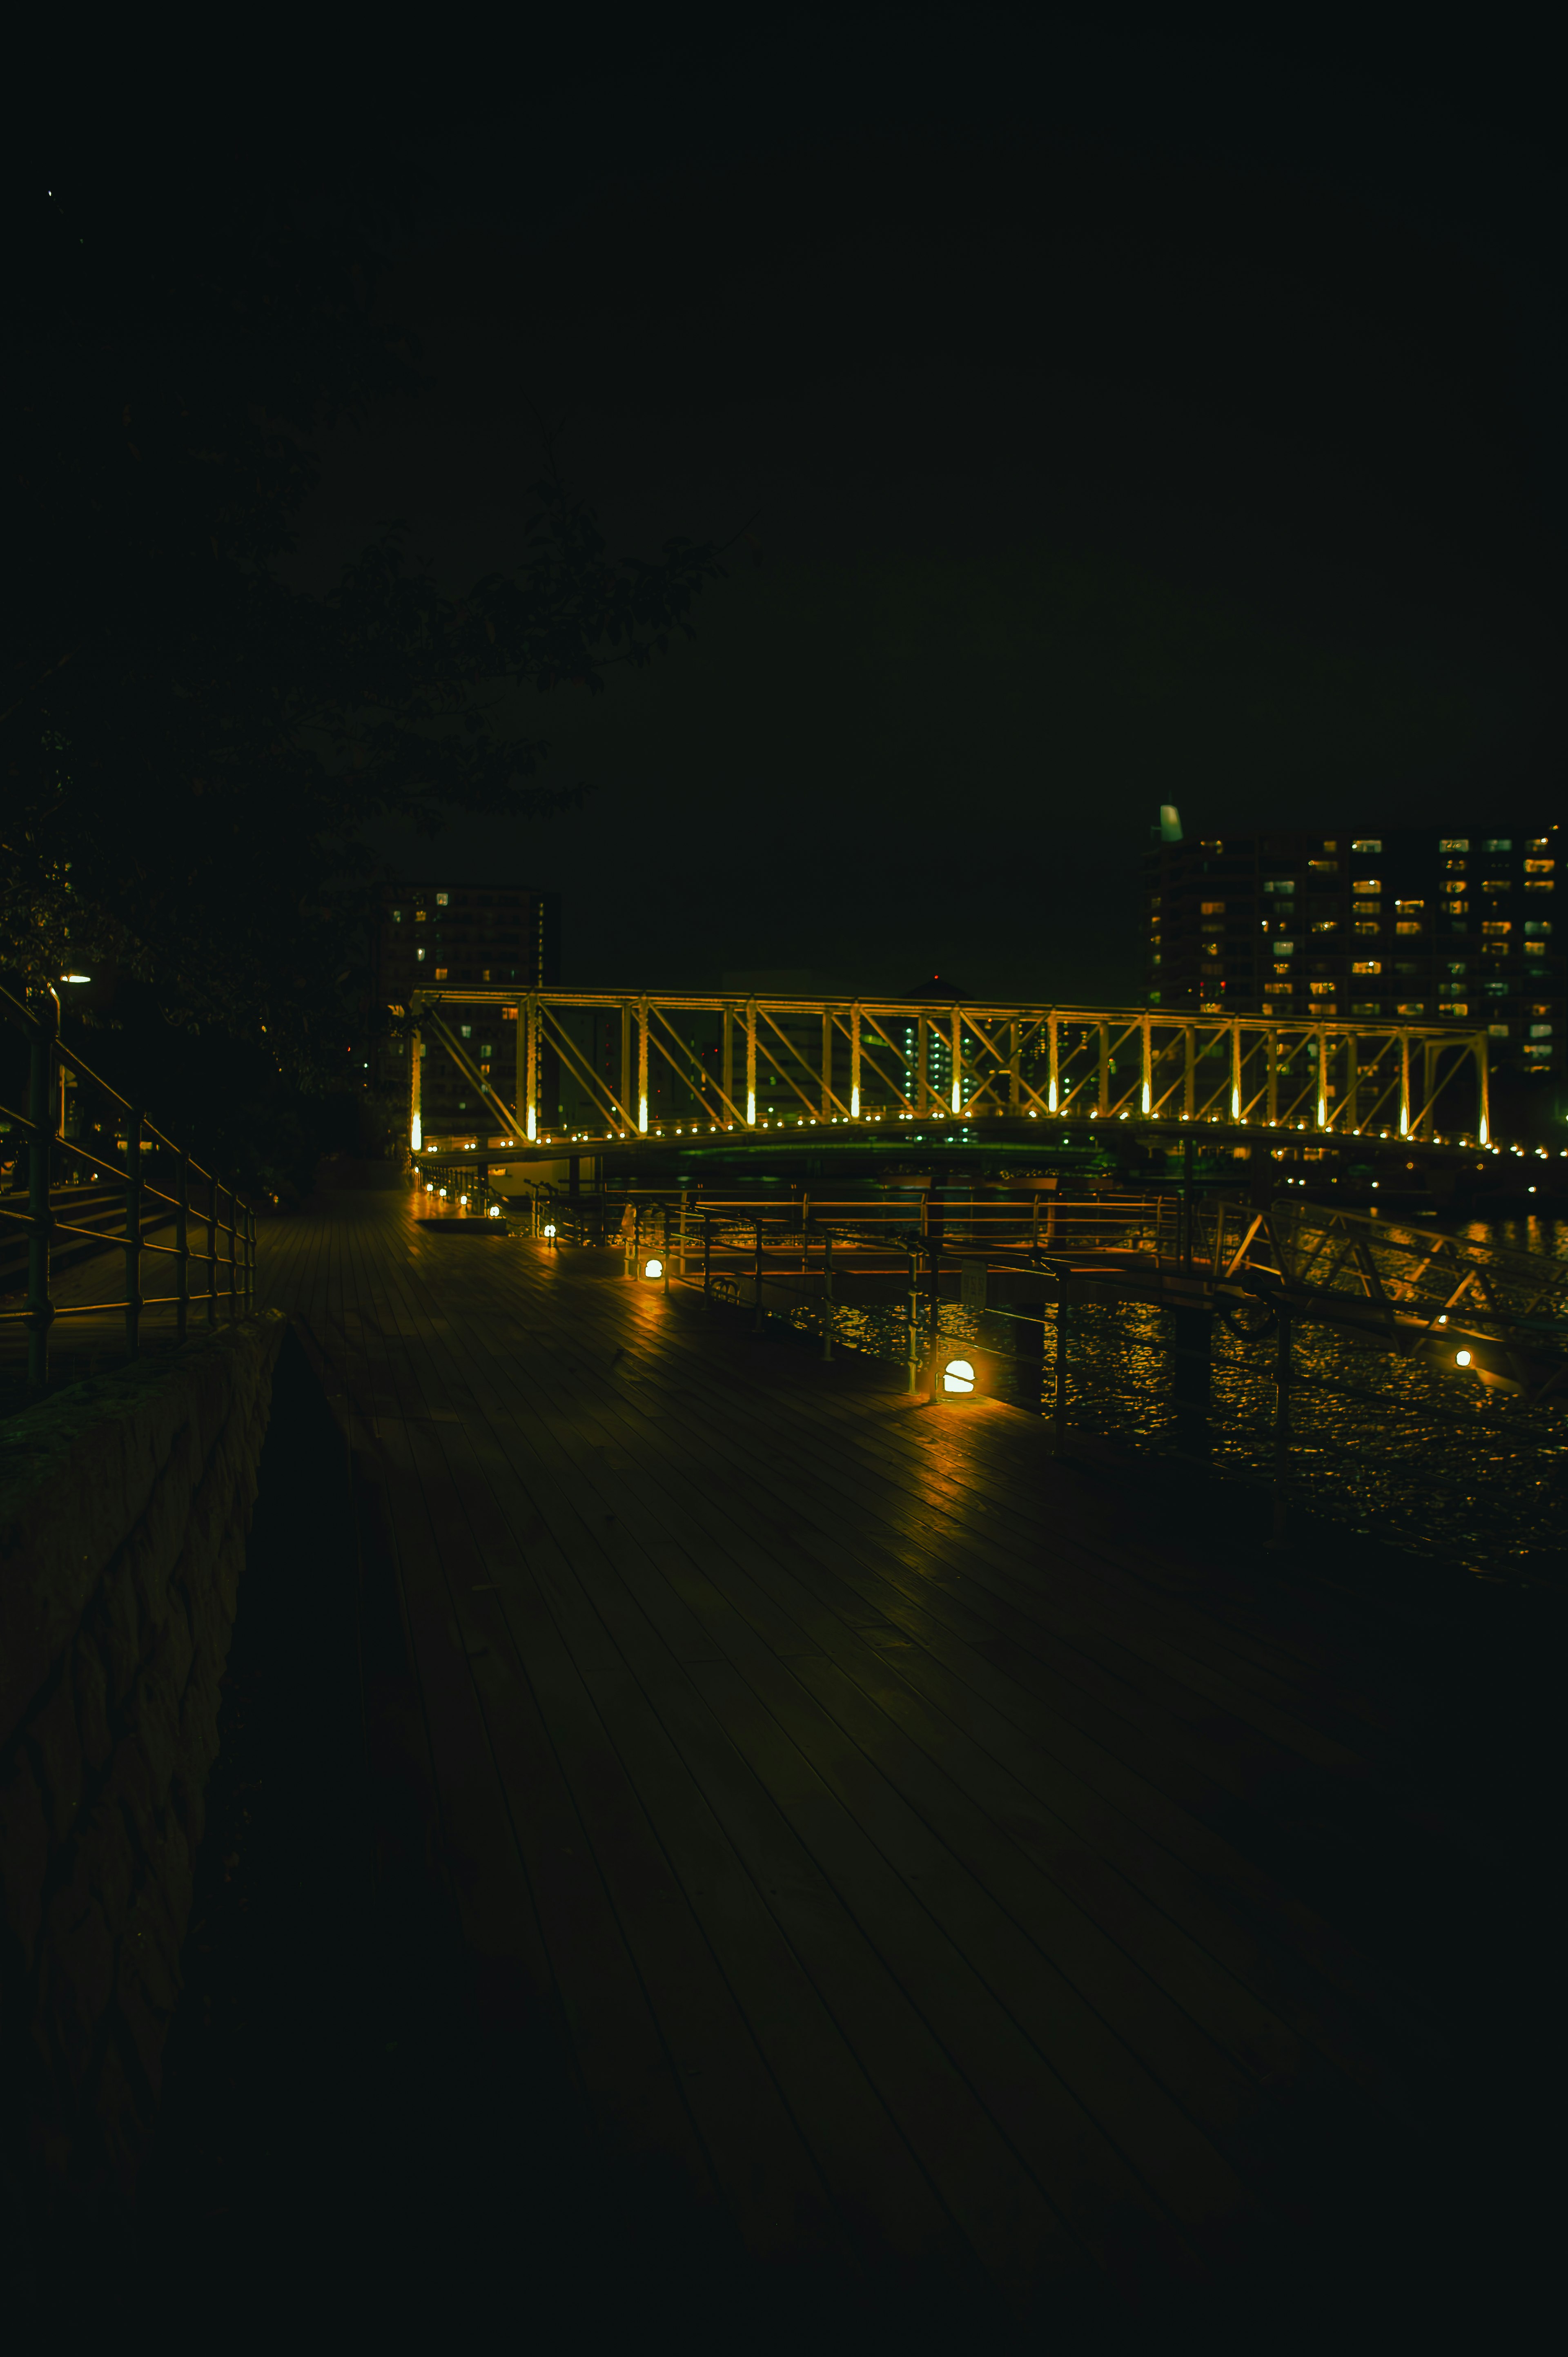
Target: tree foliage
(192,748)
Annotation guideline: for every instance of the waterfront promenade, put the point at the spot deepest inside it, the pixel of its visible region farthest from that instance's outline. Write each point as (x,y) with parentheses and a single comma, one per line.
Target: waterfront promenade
(929,1863)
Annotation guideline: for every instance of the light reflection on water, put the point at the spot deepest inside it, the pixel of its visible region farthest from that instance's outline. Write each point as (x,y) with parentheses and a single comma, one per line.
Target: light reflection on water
(1426,1458)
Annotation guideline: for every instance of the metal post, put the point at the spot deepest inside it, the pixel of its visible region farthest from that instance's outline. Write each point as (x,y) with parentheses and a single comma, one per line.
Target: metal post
(1146,1087)
(1281,1419)
(708,1257)
(132,1234)
(233,1252)
(756,1283)
(1053,1031)
(1404,1084)
(1483,1062)
(1104,1069)
(922,1089)
(212,1252)
(251,1261)
(827,1295)
(1189,1069)
(1063,1331)
(1273,1078)
(1189,1145)
(41,1127)
(827,1065)
(1352,1085)
(955,1091)
(728,1061)
(531,1068)
(855,1060)
(182,1242)
(912,1337)
(1235,1071)
(684,1184)
(625,1060)
(751,1063)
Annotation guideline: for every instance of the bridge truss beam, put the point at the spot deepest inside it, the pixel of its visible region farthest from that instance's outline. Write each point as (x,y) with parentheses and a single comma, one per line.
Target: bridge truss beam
(996,1061)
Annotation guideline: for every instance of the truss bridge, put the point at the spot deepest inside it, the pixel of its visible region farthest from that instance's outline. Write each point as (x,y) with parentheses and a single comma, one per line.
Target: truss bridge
(603,1071)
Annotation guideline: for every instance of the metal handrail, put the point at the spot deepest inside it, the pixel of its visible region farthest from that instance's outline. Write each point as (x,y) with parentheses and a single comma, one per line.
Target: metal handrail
(43,1129)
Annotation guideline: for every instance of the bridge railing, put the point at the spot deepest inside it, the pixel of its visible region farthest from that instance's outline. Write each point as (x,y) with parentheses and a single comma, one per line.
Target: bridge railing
(139,1155)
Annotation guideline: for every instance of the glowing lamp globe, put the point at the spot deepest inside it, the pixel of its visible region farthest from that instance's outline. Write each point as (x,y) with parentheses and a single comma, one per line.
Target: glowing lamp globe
(957,1378)
(653,1268)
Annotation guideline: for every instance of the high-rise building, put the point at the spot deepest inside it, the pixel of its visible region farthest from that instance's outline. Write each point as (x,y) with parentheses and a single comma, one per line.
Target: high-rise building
(436,936)
(1409,925)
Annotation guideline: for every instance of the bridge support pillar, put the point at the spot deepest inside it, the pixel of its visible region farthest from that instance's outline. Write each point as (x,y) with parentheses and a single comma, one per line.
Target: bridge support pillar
(1192,1355)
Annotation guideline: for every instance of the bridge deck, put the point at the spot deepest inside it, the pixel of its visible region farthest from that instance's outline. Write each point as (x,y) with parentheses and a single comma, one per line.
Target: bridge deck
(919,1857)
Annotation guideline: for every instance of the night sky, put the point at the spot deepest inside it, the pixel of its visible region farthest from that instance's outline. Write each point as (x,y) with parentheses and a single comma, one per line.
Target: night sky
(1111,421)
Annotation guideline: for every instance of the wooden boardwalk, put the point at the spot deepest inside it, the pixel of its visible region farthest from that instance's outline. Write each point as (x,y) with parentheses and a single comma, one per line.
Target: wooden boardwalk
(914,1855)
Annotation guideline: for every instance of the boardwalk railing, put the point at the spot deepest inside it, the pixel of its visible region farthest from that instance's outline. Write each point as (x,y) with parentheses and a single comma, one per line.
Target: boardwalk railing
(1027,1274)
(193,1199)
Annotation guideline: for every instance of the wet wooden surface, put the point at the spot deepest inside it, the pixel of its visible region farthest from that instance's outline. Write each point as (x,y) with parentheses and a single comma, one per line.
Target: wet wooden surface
(915,1853)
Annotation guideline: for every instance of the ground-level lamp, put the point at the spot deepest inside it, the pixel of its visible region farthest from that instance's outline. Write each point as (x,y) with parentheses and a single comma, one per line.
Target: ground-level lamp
(958,1379)
(656,1271)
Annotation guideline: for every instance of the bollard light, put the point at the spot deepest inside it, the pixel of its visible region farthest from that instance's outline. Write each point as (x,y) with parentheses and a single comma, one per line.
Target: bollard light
(653,1268)
(957,1378)
(550,1230)
(1461,1357)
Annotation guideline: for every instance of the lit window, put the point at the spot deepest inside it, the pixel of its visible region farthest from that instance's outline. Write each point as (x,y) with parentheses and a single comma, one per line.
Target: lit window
(1455,908)
(1496,884)
(1455,842)
(1407,908)
(440,973)
(1365,1007)
(1323,989)
(397,916)
(1331,846)
(1498,843)
(1407,925)
(1540,1030)
(487,1049)
(1535,949)
(1280,885)
(1367,843)
(1324,866)
(1366,965)
(419,917)
(1497,925)
(1213,909)
(419,955)
(1327,925)
(1364,926)
(1538,884)
(441,900)
(1367,884)
(1539,843)
(1411,1006)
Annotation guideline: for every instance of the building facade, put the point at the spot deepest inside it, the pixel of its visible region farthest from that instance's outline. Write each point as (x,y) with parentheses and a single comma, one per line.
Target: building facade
(432,936)
(1405,925)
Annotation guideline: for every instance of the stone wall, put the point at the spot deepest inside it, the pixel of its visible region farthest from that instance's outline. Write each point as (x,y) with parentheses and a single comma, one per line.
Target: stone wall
(124,1503)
